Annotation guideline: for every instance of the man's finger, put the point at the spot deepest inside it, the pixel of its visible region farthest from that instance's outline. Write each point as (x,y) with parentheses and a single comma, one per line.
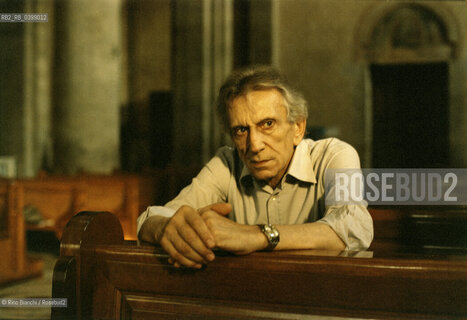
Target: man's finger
(198,224)
(196,243)
(186,242)
(176,258)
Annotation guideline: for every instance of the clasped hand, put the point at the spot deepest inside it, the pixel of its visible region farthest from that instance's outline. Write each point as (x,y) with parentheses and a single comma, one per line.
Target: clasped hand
(191,235)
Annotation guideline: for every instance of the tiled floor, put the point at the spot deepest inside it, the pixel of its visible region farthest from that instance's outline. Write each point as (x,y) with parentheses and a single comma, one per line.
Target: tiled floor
(40,287)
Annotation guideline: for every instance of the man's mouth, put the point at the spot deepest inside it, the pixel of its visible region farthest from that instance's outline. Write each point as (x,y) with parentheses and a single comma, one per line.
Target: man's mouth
(259,163)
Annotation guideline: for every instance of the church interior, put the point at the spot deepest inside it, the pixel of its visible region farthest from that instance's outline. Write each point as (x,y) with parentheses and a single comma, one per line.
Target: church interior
(107,105)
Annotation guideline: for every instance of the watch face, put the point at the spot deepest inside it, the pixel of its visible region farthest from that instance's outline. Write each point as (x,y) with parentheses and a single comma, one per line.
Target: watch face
(272,234)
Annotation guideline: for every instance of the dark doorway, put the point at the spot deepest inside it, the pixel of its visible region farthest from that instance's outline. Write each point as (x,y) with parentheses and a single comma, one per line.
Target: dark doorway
(410,115)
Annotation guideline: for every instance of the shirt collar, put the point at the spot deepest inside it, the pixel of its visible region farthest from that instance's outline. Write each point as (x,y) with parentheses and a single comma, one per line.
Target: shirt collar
(301,166)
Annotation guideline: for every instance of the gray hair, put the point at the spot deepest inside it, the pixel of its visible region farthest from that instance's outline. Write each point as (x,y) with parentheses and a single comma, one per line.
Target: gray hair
(242,81)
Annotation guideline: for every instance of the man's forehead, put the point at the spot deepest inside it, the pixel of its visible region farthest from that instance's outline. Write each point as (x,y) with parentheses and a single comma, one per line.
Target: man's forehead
(258,98)
(246,111)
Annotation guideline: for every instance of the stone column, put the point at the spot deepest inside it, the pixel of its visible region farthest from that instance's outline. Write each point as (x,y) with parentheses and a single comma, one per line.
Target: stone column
(203,43)
(86,115)
(37,88)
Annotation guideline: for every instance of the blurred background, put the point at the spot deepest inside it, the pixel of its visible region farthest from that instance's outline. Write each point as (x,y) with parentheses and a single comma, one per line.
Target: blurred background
(108,105)
(126,85)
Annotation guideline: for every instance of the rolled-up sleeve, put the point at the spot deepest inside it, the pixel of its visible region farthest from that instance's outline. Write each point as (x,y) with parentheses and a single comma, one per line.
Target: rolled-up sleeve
(205,189)
(153,211)
(352,223)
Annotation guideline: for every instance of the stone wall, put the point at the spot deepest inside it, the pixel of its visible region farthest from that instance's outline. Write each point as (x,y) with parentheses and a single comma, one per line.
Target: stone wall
(317,44)
(73,83)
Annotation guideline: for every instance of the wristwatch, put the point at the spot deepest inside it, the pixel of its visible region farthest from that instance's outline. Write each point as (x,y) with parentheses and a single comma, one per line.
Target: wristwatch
(272,234)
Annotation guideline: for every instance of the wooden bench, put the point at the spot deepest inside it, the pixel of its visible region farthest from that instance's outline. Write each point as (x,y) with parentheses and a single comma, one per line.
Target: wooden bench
(14,263)
(57,198)
(105,277)
(420,228)
(49,204)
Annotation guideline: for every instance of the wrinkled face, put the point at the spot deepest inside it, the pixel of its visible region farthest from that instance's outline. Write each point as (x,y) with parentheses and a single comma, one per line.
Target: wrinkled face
(264,138)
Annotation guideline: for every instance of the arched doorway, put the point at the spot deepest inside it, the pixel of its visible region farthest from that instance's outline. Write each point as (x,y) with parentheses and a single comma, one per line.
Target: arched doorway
(408,50)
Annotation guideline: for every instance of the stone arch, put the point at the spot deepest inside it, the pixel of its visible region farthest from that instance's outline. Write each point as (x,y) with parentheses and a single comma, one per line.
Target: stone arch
(383,37)
(407,32)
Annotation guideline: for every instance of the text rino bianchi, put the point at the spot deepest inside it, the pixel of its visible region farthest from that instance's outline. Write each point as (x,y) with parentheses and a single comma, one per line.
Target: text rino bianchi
(34,302)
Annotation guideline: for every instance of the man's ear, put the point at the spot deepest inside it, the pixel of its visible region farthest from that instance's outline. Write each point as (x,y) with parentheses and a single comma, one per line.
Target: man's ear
(300,128)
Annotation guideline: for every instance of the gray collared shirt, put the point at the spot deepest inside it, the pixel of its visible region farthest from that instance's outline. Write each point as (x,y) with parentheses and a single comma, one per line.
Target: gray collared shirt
(298,199)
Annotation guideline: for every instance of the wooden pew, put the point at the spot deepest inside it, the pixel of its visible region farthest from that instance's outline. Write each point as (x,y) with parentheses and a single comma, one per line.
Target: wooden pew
(119,194)
(14,263)
(58,198)
(420,228)
(53,200)
(105,277)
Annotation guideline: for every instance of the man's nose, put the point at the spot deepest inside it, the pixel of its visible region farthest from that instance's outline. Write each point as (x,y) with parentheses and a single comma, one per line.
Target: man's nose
(255,141)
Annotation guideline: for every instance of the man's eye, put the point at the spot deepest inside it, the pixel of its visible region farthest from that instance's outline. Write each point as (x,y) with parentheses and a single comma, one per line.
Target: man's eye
(268,124)
(240,131)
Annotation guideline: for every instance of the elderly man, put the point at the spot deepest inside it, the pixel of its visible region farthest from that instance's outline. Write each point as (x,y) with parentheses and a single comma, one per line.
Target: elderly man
(266,193)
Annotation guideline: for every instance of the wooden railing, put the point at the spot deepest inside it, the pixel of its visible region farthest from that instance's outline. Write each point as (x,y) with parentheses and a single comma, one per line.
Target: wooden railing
(104,277)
